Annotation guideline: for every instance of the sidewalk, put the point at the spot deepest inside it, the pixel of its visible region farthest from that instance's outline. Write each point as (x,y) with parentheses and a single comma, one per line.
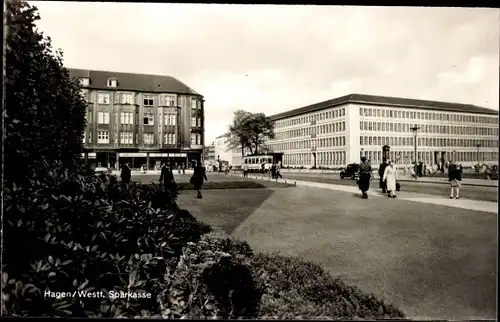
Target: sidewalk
(440,180)
(474,205)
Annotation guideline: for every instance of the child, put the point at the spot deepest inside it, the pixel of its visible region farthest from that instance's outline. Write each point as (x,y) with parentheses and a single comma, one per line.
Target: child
(455,189)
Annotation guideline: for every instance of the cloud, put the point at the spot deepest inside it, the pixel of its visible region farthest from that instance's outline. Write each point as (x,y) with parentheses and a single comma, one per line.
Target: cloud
(266,58)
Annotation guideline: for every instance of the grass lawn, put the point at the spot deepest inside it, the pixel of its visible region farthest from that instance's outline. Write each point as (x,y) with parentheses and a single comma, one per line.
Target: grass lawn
(431,261)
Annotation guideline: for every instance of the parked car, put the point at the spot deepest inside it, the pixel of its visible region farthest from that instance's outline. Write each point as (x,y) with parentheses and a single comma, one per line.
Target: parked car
(351,172)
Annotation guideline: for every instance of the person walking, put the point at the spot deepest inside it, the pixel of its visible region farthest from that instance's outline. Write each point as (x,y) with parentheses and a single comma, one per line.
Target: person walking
(273,171)
(454,177)
(167,177)
(126,175)
(245,170)
(278,171)
(381,170)
(391,178)
(197,179)
(365,175)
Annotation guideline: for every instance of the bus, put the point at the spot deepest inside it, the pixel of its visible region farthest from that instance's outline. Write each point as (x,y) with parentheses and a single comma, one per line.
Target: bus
(254,162)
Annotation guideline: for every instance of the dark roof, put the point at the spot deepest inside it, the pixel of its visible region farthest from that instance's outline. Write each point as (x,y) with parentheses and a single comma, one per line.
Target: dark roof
(386,101)
(133,82)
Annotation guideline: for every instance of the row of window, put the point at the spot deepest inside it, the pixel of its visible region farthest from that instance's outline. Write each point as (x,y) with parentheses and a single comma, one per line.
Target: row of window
(428,142)
(167,100)
(318,129)
(307,144)
(128,138)
(338,112)
(428,157)
(434,116)
(128,118)
(427,128)
(334,158)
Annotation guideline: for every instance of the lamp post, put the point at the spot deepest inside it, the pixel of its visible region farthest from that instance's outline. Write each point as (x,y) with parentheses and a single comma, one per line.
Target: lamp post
(415,131)
(478,160)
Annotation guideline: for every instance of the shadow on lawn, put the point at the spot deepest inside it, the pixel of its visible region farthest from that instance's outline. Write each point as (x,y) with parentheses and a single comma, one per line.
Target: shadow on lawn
(224,209)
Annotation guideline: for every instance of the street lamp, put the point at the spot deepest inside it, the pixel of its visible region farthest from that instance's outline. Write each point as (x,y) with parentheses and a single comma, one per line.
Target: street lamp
(478,161)
(415,131)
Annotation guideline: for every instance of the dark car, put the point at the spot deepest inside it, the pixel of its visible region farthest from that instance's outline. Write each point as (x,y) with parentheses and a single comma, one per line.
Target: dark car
(351,172)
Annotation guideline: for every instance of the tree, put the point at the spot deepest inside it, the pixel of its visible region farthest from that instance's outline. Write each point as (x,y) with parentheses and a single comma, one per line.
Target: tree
(250,131)
(239,131)
(45,112)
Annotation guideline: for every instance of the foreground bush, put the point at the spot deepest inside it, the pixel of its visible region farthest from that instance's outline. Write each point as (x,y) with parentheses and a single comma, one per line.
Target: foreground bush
(68,232)
(295,289)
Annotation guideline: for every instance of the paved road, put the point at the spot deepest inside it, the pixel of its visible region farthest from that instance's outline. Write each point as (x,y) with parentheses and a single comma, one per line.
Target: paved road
(469,192)
(431,261)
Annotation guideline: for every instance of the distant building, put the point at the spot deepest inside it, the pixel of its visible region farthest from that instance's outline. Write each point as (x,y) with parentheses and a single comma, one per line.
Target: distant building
(209,154)
(224,152)
(337,132)
(139,118)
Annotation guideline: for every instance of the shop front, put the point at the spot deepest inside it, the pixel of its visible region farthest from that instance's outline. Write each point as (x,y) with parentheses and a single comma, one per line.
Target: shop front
(152,160)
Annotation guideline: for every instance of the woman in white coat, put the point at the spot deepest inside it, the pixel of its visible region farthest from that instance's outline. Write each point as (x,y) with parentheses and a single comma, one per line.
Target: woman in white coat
(391,177)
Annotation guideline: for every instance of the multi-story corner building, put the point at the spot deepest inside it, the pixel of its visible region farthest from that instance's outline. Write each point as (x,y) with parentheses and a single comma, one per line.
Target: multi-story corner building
(337,132)
(142,119)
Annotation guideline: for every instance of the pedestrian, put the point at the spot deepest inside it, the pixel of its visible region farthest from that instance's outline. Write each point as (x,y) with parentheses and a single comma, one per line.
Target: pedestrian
(424,172)
(381,170)
(454,176)
(245,170)
(273,171)
(365,174)
(278,171)
(126,175)
(167,177)
(391,178)
(197,179)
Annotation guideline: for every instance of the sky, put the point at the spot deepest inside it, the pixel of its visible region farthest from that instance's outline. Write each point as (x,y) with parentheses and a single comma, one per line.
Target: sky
(270,59)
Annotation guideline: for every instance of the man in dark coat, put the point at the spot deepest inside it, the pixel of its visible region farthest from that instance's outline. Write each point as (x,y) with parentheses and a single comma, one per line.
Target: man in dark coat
(381,170)
(365,174)
(126,175)
(198,176)
(167,177)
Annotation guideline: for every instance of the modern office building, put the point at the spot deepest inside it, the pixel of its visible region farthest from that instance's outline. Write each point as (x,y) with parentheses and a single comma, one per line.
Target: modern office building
(338,132)
(142,119)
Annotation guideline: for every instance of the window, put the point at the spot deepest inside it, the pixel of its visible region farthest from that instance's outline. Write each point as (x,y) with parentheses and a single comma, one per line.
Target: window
(84,135)
(112,82)
(127,118)
(166,100)
(103,98)
(193,121)
(84,81)
(193,103)
(103,118)
(102,137)
(127,98)
(148,100)
(193,138)
(170,138)
(148,138)
(126,138)
(149,119)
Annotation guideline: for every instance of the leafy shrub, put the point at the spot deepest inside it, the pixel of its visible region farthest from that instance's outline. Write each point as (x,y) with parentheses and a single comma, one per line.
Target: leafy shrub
(213,280)
(295,289)
(66,231)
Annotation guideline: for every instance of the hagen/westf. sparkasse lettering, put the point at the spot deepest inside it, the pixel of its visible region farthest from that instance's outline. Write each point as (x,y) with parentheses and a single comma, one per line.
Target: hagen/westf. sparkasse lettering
(98,294)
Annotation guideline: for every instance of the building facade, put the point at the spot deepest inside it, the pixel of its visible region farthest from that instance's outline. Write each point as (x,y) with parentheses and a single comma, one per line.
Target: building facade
(338,132)
(141,119)
(209,155)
